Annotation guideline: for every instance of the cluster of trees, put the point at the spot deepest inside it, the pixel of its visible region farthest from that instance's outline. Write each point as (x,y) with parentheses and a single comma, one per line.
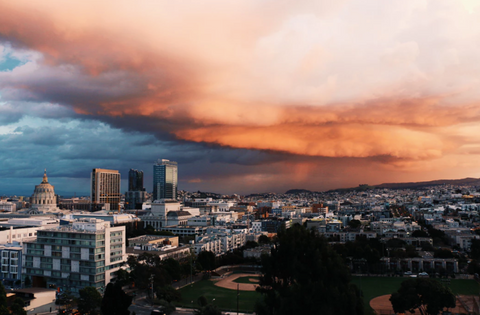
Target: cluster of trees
(164,271)
(428,296)
(205,308)
(115,301)
(16,307)
(364,254)
(90,302)
(148,270)
(305,273)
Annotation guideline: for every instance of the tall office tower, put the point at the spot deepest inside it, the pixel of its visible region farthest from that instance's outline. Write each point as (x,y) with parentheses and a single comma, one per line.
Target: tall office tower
(165,178)
(136,194)
(135,180)
(105,189)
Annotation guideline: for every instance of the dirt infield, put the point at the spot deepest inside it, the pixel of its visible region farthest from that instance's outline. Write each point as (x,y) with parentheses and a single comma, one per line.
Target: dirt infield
(228,283)
(382,306)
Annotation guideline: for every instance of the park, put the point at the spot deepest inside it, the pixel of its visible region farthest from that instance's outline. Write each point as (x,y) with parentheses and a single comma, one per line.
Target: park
(225,295)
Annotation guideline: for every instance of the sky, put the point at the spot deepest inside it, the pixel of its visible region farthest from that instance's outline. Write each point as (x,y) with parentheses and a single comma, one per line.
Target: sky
(247,96)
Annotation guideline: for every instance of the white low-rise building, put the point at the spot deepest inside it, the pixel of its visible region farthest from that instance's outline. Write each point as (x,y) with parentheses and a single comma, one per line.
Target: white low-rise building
(37,300)
(220,243)
(202,220)
(7,206)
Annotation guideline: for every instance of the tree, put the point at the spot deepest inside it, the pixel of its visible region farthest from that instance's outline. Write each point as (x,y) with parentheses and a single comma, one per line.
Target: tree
(167,307)
(443,253)
(304,273)
(143,267)
(115,301)
(205,308)
(395,243)
(168,293)
(66,300)
(207,260)
(28,282)
(18,307)
(89,301)
(172,267)
(3,295)
(427,295)
(354,224)
(122,277)
(263,239)
(419,233)
(209,309)
(475,249)
(3,301)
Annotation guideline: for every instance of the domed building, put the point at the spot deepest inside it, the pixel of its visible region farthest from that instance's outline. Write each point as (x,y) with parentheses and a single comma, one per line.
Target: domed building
(43,198)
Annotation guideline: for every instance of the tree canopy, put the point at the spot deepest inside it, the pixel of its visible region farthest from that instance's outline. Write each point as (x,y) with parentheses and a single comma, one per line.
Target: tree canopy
(115,301)
(304,273)
(207,260)
(354,224)
(427,295)
(89,301)
(475,249)
(205,308)
(419,233)
(16,308)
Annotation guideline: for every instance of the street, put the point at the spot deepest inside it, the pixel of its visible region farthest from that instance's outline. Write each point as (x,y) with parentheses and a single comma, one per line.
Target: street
(142,307)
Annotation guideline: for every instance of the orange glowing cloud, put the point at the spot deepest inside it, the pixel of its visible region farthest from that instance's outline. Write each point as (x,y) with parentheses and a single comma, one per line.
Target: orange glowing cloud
(323,80)
(328,141)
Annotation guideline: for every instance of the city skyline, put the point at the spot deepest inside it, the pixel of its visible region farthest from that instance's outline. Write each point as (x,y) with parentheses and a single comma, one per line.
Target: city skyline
(247,96)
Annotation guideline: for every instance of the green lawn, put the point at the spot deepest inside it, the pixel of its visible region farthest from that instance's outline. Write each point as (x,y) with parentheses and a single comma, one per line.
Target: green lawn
(246,280)
(225,299)
(376,286)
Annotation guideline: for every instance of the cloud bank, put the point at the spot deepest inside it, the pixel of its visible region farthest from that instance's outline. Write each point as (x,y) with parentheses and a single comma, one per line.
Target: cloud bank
(295,86)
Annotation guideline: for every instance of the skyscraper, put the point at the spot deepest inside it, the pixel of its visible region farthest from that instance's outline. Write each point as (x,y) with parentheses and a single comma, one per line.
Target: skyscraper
(165,178)
(135,180)
(105,188)
(136,194)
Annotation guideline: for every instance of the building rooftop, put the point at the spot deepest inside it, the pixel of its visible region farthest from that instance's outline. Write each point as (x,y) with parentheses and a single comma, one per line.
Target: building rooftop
(33,290)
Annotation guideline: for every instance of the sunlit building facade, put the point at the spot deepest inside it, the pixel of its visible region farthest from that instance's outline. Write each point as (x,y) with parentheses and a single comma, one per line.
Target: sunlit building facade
(105,188)
(165,178)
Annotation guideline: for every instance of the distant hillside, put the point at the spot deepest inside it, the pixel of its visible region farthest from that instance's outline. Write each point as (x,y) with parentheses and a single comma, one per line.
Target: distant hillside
(457,182)
(298,191)
(415,185)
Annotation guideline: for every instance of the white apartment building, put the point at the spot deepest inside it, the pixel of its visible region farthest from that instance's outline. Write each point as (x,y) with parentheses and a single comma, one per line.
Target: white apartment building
(85,253)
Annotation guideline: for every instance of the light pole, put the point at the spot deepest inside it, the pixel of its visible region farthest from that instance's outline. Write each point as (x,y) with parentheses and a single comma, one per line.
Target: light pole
(151,283)
(238,296)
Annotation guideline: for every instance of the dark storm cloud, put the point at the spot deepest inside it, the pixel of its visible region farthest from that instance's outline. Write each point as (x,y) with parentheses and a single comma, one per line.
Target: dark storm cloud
(306,91)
